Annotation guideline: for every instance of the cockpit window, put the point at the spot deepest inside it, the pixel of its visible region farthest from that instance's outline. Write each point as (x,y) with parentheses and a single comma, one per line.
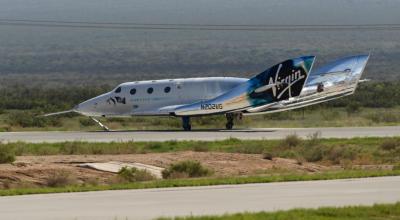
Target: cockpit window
(118,90)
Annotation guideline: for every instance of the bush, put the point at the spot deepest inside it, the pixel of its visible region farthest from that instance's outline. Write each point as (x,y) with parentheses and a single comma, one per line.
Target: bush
(60,178)
(337,154)
(314,154)
(86,122)
(186,168)
(385,117)
(70,148)
(7,154)
(291,140)
(314,139)
(133,174)
(390,144)
(267,155)
(28,119)
(396,167)
(200,148)
(353,107)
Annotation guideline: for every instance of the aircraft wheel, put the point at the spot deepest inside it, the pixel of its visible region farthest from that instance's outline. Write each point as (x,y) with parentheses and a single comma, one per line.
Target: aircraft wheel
(186,124)
(229,126)
(229,123)
(187,128)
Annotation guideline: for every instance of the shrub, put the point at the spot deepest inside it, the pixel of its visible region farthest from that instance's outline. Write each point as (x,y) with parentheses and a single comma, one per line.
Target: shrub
(337,154)
(232,140)
(186,168)
(155,146)
(385,117)
(133,174)
(7,154)
(28,119)
(86,122)
(60,178)
(390,144)
(267,155)
(329,114)
(314,139)
(291,140)
(70,148)
(314,154)
(200,148)
(396,167)
(353,107)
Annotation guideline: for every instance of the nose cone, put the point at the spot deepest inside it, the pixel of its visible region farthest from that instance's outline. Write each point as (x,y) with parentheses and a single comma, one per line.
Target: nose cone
(91,107)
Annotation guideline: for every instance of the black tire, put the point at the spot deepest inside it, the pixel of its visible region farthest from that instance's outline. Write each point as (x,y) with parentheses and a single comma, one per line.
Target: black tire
(187,128)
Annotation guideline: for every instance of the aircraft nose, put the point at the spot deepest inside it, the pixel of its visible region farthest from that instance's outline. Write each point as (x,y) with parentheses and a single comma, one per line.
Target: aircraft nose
(87,107)
(76,107)
(92,107)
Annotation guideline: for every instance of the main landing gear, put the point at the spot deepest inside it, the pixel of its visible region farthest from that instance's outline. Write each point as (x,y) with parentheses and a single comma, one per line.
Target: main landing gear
(186,123)
(229,121)
(230,117)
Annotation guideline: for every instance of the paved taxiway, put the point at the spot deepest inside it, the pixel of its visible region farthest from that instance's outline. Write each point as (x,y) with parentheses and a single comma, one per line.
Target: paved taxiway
(152,203)
(260,133)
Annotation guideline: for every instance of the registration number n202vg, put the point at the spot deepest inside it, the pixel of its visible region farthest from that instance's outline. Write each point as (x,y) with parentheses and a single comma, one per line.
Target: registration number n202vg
(211,106)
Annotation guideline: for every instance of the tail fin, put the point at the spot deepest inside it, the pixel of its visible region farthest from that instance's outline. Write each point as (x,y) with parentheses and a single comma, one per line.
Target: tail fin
(279,82)
(282,81)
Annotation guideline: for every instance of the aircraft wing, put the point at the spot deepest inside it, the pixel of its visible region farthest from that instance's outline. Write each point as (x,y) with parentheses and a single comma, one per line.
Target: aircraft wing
(332,81)
(280,82)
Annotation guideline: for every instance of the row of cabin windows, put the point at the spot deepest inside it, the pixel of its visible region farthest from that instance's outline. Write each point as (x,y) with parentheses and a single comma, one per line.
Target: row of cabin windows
(149,90)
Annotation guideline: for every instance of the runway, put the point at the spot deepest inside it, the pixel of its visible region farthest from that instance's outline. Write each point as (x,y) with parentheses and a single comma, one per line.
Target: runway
(204,135)
(152,203)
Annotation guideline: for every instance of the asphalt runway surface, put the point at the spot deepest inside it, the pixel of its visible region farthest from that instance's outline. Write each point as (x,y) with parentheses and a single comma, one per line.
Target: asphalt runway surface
(204,135)
(152,203)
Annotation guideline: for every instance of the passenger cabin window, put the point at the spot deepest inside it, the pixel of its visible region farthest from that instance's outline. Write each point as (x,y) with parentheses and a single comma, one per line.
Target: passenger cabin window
(133,91)
(167,89)
(118,90)
(150,90)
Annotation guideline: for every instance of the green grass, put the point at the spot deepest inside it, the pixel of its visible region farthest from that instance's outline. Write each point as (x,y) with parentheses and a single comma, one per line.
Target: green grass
(376,212)
(206,182)
(332,151)
(316,116)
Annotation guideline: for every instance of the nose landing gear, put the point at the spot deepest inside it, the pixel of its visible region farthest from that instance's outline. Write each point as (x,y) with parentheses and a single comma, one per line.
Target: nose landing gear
(100,124)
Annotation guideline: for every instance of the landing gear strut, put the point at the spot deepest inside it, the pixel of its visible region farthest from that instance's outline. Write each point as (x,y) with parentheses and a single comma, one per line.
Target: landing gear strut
(100,124)
(229,119)
(186,123)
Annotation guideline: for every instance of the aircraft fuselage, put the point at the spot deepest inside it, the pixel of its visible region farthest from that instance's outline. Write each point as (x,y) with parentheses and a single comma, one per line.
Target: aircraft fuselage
(154,97)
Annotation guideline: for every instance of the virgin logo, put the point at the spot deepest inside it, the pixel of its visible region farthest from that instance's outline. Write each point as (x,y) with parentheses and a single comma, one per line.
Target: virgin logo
(280,85)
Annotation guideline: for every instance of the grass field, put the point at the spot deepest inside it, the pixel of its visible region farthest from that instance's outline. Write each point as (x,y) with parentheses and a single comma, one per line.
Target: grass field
(348,155)
(314,149)
(16,120)
(376,212)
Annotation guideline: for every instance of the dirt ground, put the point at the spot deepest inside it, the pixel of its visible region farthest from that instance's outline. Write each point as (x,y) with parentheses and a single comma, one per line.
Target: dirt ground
(36,170)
